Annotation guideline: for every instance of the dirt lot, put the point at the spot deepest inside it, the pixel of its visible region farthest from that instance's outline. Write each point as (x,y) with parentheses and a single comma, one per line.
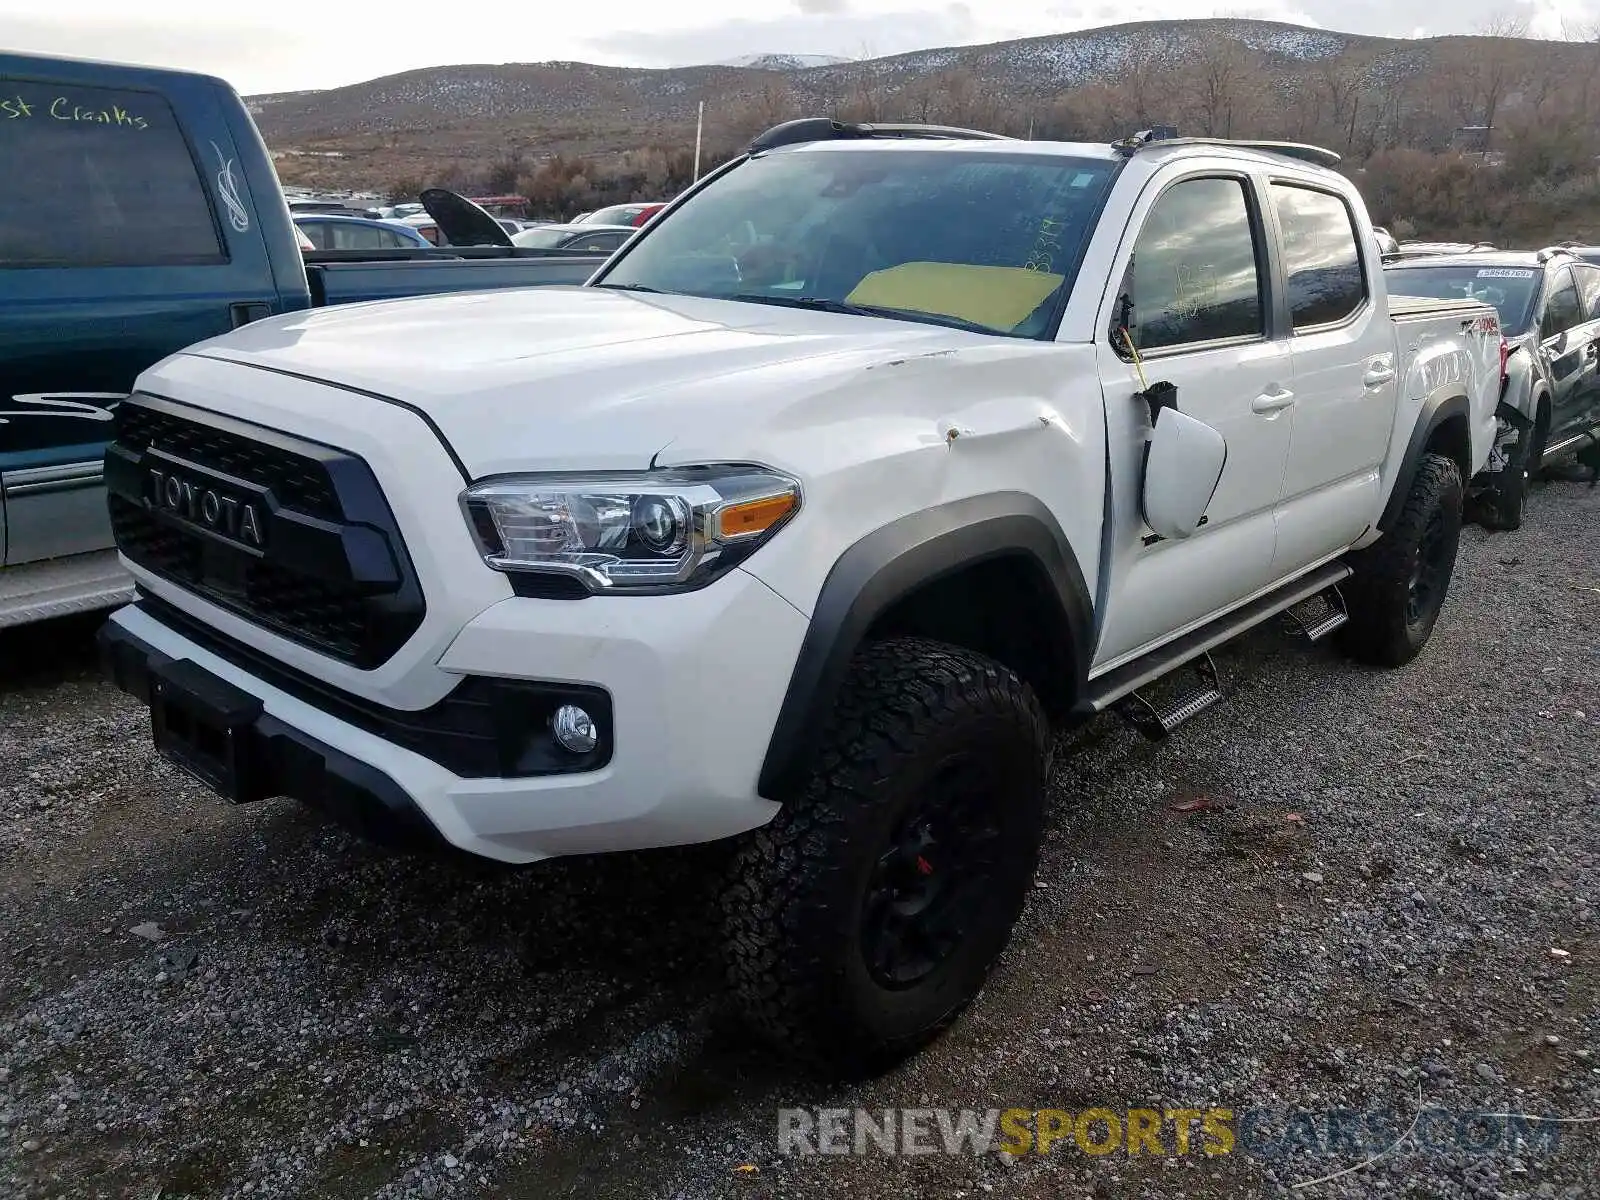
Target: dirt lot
(1341,888)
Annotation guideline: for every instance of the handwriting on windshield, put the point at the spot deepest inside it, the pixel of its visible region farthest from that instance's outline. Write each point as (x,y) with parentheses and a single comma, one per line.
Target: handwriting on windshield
(62,108)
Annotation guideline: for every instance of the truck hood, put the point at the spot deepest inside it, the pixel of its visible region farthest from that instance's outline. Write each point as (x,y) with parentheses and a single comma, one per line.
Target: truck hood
(579,378)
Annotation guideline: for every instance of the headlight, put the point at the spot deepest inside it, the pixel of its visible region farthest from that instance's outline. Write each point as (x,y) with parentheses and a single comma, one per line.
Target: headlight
(660,531)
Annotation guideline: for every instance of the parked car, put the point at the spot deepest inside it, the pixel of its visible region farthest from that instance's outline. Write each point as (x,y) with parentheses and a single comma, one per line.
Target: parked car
(590,236)
(426,227)
(336,208)
(804,546)
(329,232)
(621,214)
(133,237)
(1549,305)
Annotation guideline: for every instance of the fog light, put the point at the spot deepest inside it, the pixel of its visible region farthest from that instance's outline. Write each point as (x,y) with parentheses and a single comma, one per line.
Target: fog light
(574,729)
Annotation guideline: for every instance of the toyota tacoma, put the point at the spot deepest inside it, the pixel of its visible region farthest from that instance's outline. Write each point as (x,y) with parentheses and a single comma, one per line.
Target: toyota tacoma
(876,458)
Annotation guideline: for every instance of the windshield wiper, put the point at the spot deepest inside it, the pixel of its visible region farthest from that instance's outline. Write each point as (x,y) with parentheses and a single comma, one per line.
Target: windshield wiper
(630,287)
(823,304)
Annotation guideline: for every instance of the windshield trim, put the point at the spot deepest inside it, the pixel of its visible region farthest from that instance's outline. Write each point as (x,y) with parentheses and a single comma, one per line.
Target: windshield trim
(1052,327)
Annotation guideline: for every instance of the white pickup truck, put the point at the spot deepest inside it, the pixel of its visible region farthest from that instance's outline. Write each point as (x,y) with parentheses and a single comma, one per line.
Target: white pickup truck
(877,454)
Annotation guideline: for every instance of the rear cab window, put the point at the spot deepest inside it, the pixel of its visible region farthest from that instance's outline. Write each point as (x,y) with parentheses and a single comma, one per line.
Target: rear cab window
(102,177)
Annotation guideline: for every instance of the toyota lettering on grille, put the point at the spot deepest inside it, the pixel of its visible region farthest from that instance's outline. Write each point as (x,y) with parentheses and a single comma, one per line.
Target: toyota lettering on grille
(209,508)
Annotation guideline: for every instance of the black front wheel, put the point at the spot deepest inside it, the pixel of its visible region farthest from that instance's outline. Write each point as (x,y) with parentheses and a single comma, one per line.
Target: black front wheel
(868,914)
(1401,580)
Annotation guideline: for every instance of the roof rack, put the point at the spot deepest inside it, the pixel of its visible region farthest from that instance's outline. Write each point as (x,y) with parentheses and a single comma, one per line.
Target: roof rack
(824,129)
(1167,135)
(1550,252)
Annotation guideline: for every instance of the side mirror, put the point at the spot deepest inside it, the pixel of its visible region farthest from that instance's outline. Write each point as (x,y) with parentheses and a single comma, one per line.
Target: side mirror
(1182,467)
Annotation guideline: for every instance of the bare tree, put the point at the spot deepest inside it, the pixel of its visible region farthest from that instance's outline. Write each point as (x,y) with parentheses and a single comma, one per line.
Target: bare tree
(1480,74)
(773,104)
(1224,84)
(1337,84)
(1145,83)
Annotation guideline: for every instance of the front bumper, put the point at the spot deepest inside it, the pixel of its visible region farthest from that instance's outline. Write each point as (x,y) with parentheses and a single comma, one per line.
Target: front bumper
(694,682)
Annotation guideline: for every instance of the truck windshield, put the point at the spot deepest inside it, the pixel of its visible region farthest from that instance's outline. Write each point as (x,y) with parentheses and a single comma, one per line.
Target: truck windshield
(1510,289)
(984,241)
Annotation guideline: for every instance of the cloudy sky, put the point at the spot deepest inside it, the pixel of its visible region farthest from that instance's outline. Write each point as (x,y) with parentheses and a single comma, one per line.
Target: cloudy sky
(262,47)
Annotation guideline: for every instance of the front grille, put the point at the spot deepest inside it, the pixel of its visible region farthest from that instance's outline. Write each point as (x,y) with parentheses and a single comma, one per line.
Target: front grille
(298,483)
(332,574)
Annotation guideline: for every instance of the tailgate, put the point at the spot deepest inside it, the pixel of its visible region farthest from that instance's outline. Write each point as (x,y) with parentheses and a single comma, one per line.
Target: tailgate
(353,282)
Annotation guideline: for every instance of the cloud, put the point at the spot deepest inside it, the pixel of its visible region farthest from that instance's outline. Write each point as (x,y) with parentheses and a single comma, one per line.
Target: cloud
(851,34)
(232,50)
(820,8)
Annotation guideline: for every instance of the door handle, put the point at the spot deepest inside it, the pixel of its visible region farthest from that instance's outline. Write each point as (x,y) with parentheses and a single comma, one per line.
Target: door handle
(1377,375)
(1273,401)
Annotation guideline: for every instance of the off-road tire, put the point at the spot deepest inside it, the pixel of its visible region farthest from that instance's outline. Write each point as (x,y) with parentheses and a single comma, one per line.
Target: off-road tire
(1385,628)
(799,901)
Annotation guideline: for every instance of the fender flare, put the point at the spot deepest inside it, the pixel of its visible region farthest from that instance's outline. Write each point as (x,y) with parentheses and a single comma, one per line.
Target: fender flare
(891,563)
(1445,404)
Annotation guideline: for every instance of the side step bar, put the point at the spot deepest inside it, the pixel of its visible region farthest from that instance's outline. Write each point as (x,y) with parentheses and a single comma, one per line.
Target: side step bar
(1577,440)
(1316,625)
(1156,721)
(1106,690)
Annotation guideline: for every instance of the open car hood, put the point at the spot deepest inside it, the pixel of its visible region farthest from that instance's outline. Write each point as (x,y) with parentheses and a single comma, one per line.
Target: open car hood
(462,222)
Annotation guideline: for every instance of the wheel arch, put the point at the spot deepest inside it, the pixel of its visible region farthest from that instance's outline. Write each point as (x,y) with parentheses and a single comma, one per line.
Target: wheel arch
(1444,425)
(995,569)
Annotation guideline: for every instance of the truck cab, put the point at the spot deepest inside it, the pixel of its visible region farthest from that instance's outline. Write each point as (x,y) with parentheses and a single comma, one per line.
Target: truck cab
(143,214)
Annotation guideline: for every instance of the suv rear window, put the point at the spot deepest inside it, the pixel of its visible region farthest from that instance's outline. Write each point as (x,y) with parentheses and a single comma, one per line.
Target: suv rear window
(97,177)
(1510,289)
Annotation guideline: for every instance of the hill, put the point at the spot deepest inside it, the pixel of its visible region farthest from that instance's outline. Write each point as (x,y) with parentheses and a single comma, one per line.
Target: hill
(576,133)
(580,94)
(785,62)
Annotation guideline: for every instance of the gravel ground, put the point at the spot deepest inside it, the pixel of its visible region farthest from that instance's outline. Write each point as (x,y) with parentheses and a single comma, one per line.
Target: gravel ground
(1341,888)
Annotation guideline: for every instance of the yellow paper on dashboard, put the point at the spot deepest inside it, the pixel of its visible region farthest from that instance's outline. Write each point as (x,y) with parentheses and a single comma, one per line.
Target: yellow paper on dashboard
(999,297)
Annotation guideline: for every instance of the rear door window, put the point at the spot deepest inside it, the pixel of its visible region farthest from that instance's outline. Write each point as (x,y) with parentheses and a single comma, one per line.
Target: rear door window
(347,235)
(1320,255)
(317,231)
(96,177)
